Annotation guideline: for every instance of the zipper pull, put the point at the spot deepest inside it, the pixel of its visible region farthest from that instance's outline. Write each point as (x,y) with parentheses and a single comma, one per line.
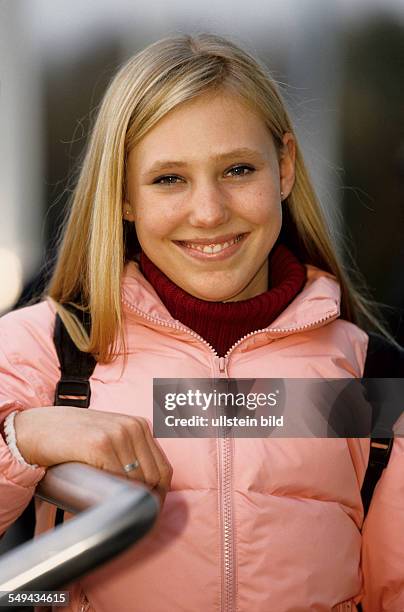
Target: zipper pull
(221,366)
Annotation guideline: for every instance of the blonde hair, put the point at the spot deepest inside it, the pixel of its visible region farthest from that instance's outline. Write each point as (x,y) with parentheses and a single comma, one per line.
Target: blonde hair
(96,245)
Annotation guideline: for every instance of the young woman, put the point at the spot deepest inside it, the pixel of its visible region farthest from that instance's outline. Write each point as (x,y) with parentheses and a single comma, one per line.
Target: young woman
(196,242)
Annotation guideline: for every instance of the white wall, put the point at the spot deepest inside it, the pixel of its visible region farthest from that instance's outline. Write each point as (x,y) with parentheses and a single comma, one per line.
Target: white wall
(20,153)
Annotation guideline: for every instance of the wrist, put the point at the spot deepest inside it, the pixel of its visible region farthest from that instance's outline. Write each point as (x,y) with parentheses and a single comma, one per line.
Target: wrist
(13,441)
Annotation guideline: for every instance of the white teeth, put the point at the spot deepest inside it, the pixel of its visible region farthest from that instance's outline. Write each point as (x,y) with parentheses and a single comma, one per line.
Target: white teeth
(211,249)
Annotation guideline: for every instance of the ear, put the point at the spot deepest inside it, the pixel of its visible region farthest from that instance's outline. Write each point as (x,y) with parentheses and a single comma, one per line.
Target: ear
(287,161)
(127,211)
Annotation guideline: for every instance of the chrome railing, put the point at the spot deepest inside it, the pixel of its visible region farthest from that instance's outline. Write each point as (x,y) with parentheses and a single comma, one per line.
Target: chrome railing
(114,513)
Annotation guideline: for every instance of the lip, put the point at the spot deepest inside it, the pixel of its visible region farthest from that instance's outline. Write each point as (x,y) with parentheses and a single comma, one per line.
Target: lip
(225,254)
(215,240)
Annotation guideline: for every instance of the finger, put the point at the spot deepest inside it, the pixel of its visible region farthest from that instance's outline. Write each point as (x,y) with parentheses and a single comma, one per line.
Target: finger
(161,493)
(163,465)
(141,450)
(128,454)
(112,450)
(105,457)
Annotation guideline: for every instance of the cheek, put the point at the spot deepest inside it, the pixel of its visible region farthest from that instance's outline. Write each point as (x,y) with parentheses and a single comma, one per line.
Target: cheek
(262,207)
(156,219)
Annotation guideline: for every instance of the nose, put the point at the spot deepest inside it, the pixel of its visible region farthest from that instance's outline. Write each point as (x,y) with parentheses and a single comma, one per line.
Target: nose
(210,206)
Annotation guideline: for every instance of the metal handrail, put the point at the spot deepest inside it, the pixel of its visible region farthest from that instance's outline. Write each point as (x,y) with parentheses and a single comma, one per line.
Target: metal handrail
(115,513)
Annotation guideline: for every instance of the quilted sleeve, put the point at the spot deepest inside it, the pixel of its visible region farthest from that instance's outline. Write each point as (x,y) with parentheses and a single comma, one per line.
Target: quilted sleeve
(26,381)
(383,539)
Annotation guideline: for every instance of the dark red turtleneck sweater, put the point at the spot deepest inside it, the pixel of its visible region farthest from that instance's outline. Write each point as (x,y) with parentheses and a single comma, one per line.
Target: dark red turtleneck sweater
(223,324)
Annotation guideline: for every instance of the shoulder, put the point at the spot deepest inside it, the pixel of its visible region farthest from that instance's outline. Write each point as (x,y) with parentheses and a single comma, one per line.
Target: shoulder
(28,331)
(344,331)
(375,355)
(345,343)
(29,366)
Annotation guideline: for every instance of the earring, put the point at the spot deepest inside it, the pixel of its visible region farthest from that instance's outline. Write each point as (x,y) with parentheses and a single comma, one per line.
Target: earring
(282,194)
(127,211)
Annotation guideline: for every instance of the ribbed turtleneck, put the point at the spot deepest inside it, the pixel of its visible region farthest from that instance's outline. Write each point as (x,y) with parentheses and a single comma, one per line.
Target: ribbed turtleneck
(222,324)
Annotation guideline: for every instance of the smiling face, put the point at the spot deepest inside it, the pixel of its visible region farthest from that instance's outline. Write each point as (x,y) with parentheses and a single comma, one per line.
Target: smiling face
(204,193)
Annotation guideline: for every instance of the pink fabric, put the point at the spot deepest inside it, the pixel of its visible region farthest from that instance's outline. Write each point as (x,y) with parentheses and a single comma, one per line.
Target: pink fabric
(295,506)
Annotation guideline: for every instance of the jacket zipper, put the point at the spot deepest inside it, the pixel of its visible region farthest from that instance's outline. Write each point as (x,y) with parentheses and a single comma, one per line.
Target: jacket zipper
(225,449)
(226,497)
(225,446)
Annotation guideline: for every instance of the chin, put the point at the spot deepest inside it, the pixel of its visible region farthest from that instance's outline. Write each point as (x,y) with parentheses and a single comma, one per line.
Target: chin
(213,295)
(204,295)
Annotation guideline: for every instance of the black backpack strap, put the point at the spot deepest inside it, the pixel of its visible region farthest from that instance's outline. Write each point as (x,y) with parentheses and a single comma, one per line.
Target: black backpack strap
(383,360)
(380,450)
(76,367)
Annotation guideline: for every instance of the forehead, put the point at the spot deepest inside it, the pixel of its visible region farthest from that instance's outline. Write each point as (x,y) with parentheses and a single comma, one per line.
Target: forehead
(209,125)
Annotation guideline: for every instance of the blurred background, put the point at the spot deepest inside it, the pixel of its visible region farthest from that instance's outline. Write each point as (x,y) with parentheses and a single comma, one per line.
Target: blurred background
(342,69)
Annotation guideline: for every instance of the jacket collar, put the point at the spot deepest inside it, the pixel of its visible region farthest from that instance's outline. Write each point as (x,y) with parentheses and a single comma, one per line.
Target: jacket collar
(316,305)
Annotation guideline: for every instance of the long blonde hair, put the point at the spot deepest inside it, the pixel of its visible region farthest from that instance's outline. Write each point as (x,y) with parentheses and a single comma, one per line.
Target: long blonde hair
(95,244)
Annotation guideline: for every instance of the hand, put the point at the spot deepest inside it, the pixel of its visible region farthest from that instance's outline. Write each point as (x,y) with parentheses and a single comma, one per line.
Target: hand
(57,434)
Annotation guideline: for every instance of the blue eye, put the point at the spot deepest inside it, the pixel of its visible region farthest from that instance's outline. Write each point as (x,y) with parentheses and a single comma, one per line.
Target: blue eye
(239,170)
(169,179)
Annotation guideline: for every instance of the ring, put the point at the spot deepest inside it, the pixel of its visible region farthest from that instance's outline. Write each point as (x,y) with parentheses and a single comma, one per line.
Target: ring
(131,466)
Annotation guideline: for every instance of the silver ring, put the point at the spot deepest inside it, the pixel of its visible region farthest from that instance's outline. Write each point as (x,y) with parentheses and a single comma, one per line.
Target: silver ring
(131,466)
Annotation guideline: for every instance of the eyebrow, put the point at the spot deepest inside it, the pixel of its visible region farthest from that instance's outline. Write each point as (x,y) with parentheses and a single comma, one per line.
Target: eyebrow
(165,163)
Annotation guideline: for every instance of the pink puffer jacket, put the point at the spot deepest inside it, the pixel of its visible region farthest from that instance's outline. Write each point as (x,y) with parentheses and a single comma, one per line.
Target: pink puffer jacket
(250,525)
